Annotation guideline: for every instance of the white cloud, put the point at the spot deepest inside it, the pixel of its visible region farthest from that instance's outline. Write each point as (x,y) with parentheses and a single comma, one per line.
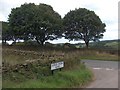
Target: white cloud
(107,10)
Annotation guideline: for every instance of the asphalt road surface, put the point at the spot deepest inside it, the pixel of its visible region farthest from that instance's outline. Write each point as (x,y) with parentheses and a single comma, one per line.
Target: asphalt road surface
(105,73)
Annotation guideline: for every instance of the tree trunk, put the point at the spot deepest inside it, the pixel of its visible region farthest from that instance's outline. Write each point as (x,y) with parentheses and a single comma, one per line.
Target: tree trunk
(87,44)
(38,41)
(14,40)
(5,40)
(42,43)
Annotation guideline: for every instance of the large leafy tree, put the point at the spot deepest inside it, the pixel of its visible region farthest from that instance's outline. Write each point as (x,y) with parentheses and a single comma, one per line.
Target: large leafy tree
(39,22)
(20,21)
(83,24)
(48,25)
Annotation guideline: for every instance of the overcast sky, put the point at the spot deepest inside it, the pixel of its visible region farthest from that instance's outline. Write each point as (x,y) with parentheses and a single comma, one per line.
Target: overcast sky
(107,10)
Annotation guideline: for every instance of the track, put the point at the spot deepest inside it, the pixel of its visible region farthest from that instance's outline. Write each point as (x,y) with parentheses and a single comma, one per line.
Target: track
(106,73)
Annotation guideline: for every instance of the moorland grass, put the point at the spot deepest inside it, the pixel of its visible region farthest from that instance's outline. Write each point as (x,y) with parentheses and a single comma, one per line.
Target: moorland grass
(69,77)
(27,53)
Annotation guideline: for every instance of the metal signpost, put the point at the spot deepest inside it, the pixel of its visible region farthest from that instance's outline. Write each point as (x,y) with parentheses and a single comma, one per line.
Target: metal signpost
(57,65)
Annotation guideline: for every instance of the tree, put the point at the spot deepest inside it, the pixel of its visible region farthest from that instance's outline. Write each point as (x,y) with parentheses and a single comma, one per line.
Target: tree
(39,22)
(6,34)
(83,24)
(48,25)
(20,21)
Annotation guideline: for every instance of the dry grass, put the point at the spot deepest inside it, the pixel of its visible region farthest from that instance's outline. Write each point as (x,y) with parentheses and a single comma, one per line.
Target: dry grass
(34,64)
(17,54)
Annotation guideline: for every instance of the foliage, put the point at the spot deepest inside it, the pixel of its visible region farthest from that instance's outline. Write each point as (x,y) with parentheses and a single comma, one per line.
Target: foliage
(39,22)
(42,23)
(6,33)
(83,24)
(77,77)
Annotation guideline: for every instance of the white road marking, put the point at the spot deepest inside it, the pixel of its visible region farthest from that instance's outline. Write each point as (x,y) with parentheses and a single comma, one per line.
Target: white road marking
(109,68)
(97,68)
(104,68)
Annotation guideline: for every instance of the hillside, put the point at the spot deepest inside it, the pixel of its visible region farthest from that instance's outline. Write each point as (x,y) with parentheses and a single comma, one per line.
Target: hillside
(107,44)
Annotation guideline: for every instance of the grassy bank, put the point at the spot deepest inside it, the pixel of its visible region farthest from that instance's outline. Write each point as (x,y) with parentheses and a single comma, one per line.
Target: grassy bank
(24,68)
(77,77)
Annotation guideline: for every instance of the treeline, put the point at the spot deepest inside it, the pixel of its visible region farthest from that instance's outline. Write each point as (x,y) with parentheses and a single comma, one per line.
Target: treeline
(40,23)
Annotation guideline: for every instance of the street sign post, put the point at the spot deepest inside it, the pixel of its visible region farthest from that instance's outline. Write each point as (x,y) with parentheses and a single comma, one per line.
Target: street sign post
(57,65)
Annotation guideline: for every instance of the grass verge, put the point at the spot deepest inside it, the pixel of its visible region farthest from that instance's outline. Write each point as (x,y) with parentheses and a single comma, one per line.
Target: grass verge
(102,58)
(77,77)
(95,55)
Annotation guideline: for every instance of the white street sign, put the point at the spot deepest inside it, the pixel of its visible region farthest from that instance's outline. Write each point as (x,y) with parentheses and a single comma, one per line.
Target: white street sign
(57,65)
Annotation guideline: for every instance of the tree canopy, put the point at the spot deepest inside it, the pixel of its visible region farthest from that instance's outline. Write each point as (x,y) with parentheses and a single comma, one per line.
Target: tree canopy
(83,24)
(42,23)
(37,22)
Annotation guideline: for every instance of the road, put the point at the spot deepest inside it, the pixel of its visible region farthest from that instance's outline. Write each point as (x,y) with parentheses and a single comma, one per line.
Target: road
(105,73)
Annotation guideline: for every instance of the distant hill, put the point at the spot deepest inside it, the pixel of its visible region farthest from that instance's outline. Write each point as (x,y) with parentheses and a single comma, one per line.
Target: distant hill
(107,44)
